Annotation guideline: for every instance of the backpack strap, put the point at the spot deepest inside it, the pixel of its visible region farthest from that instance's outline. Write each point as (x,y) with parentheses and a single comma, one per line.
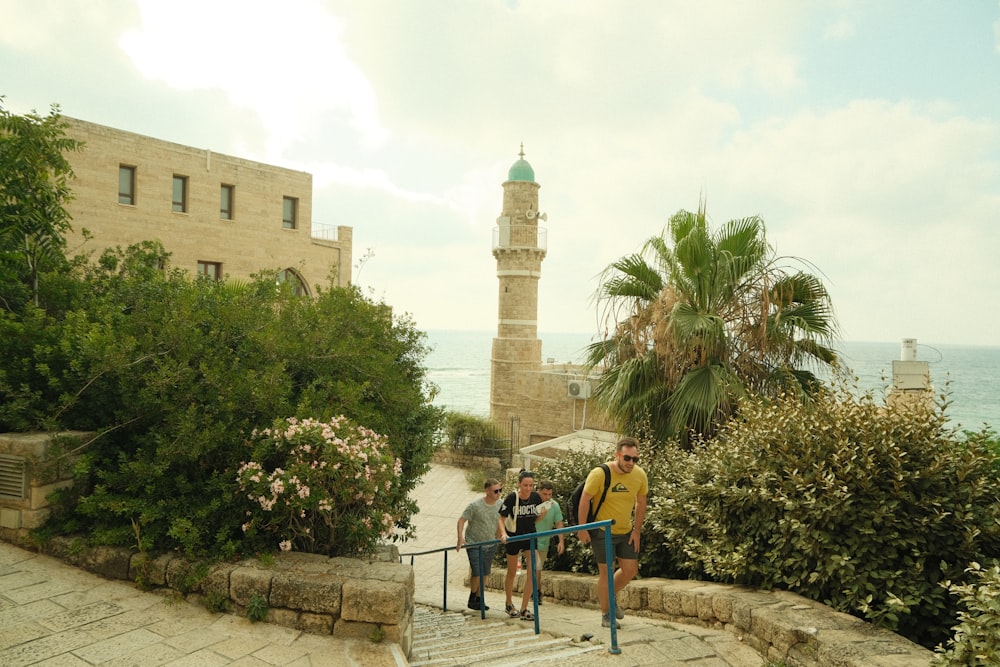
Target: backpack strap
(607,484)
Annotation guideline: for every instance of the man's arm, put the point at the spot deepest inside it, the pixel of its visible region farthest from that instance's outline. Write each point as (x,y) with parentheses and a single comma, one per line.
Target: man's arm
(461,533)
(640,516)
(581,512)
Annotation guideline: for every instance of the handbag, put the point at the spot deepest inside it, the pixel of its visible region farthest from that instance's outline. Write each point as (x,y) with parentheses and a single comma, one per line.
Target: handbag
(510,522)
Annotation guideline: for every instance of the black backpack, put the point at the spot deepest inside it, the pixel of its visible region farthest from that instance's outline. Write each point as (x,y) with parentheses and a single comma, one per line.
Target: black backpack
(574,500)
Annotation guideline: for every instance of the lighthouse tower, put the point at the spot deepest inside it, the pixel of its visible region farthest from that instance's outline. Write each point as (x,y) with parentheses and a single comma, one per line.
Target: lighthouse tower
(519,248)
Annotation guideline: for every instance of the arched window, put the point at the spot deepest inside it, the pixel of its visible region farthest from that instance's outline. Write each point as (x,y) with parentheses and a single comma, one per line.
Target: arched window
(298,284)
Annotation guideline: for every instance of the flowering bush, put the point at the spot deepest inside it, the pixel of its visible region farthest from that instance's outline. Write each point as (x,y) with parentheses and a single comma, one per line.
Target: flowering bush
(319,487)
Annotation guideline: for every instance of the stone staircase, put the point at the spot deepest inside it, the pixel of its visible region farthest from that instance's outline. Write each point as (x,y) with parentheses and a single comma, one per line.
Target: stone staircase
(454,638)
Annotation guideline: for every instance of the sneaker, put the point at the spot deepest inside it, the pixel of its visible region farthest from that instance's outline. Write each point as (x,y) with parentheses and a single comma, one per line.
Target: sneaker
(474,604)
(606,622)
(619,614)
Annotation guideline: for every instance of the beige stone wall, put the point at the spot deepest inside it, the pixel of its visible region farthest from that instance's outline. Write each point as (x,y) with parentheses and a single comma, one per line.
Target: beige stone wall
(546,410)
(253,240)
(30,459)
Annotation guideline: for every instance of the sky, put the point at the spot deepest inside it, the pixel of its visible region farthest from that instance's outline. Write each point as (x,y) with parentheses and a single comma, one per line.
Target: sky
(866,135)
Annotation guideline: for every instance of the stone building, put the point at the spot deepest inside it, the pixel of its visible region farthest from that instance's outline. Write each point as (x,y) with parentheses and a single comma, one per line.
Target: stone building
(217,215)
(536,401)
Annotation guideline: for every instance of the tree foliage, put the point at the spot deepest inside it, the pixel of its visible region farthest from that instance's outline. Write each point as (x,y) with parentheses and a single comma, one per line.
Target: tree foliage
(845,502)
(697,320)
(34,189)
(174,375)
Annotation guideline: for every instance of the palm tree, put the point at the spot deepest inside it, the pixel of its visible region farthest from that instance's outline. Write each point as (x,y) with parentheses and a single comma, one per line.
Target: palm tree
(700,319)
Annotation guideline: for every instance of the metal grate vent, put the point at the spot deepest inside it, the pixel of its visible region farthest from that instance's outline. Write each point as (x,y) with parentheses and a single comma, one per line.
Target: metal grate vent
(13,477)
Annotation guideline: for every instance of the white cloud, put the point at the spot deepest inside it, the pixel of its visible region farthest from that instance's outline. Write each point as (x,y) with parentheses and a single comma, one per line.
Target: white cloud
(409,119)
(284,61)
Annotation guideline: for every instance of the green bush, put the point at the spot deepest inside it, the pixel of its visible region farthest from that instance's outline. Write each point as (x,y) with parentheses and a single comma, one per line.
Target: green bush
(843,501)
(976,639)
(174,374)
(474,435)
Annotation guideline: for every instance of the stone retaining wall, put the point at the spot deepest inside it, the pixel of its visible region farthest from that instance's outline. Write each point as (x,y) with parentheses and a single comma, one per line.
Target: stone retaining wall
(781,626)
(448,456)
(344,597)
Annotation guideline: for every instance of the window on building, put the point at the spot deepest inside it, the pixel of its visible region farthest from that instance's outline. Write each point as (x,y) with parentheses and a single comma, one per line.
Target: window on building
(180,202)
(292,276)
(227,198)
(126,185)
(211,269)
(290,213)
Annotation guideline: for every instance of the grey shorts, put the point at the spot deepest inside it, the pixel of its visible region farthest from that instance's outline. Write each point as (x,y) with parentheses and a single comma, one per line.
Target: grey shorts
(488,554)
(620,547)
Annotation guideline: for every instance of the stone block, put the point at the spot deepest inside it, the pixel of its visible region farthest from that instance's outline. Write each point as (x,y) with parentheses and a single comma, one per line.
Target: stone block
(110,562)
(31,519)
(39,495)
(689,603)
(152,571)
(722,606)
(317,624)
(217,580)
(180,576)
(288,618)
(307,591)
(399,634)
(10,518)
(247,581)
(635,596)
(578,589)
(374,601)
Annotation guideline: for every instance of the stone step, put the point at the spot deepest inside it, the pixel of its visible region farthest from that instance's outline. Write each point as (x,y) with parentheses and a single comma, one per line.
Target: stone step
(454,638)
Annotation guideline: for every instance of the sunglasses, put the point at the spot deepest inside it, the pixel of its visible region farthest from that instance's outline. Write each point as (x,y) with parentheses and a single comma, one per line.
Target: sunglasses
(496,491)
(630,459)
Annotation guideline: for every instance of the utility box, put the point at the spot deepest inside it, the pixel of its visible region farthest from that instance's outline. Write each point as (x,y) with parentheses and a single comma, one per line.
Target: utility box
(910,375)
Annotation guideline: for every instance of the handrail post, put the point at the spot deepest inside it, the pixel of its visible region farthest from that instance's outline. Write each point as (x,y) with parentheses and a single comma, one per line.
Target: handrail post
(482,587)
(612,598)
(444,605)
(535,593)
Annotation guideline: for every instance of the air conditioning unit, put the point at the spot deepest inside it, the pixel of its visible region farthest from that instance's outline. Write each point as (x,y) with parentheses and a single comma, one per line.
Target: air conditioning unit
(578,389)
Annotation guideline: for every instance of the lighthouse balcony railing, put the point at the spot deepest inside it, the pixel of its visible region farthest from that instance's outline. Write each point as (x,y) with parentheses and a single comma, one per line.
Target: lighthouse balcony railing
(520,237)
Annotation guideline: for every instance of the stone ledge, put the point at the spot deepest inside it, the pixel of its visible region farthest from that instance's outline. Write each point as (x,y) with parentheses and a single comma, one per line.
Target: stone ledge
(344,597)
(781,626)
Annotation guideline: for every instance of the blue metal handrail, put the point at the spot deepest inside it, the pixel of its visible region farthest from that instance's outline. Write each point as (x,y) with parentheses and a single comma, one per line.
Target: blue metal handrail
(533,537)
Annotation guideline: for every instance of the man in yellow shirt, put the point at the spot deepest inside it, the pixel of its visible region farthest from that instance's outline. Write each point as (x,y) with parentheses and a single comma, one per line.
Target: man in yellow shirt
(626,496)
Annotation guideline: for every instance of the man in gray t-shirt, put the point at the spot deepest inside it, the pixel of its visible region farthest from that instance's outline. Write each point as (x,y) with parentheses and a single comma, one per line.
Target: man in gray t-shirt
(478,523)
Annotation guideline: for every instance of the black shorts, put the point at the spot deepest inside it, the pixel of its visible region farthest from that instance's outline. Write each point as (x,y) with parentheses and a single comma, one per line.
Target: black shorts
(620,547)
(515,548)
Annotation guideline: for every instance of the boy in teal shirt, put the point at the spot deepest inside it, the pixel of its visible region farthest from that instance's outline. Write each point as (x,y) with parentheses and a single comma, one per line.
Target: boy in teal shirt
(553,519)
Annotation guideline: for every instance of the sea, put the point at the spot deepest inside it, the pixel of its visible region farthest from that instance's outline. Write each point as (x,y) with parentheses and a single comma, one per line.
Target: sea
(459,365)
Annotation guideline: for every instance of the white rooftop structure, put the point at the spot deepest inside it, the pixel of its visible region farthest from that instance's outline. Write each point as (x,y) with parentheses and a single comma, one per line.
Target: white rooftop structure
(582,440)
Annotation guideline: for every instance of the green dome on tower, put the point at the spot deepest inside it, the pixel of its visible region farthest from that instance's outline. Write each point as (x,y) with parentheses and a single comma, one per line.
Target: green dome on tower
(521,170)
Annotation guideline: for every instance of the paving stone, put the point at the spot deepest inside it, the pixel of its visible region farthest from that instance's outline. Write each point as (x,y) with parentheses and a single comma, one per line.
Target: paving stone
(81,616)
(117,646)
(44,648)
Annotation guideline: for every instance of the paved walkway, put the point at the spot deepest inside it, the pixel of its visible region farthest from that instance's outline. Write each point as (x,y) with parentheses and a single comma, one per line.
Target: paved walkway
(443,495)
(55,615)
